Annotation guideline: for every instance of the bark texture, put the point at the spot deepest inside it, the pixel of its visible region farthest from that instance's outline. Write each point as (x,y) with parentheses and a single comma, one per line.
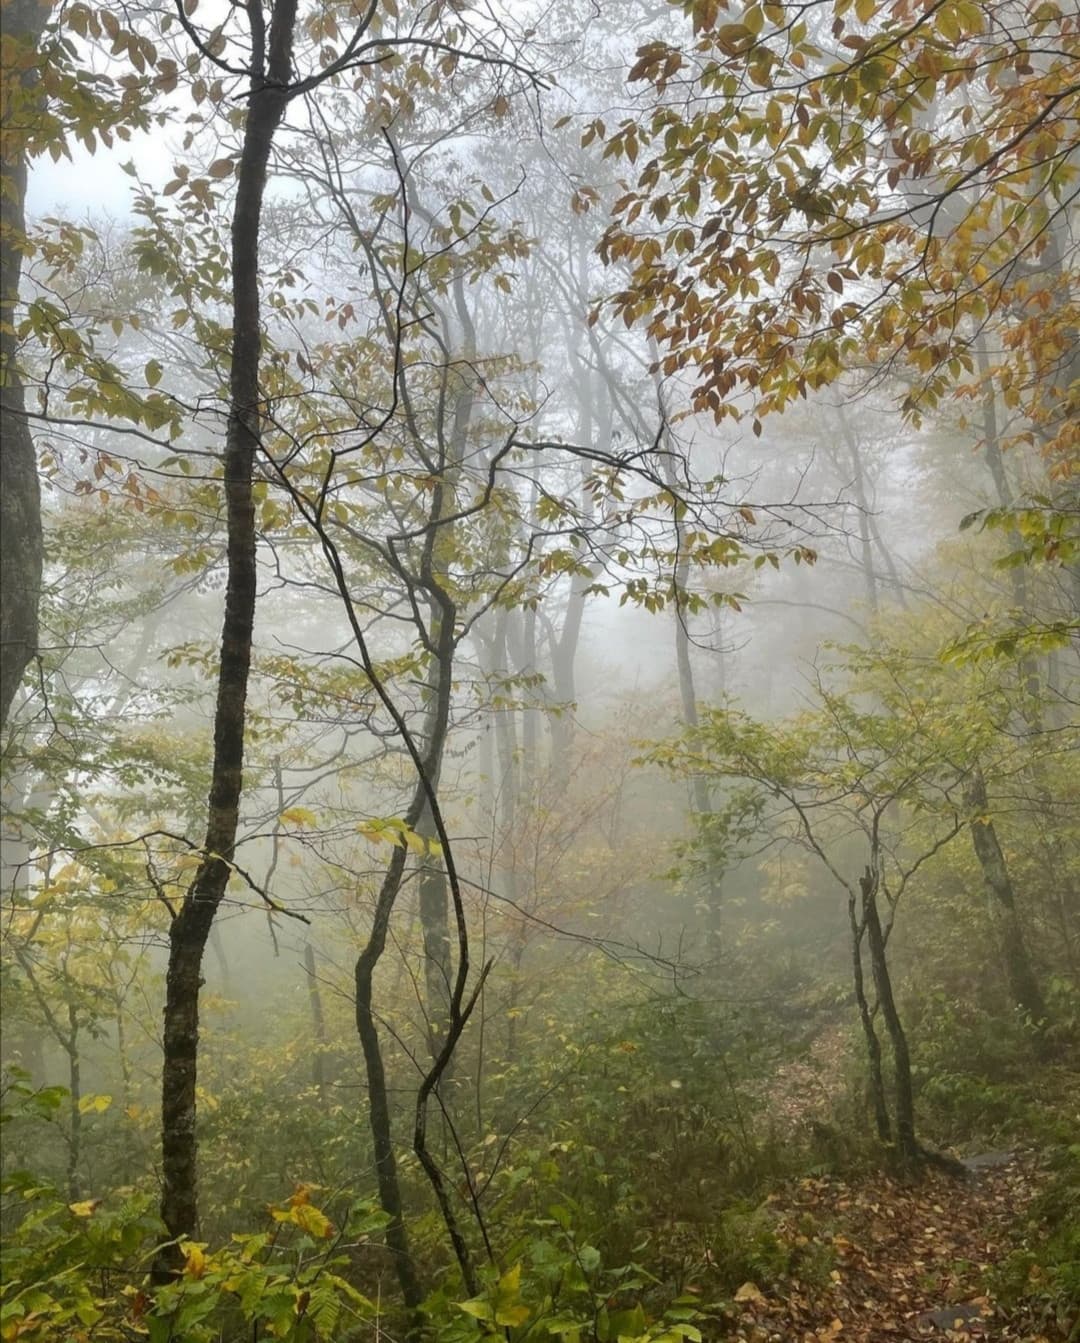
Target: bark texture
(20,495)
(271,71)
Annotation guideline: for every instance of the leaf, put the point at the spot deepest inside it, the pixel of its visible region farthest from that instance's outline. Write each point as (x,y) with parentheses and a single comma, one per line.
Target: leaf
(302,817)
(94,1104)
(413,842)
(152,373)
(308,1218)
(750,1292)
(478,1308)
(512,1315)
(627,1323)
(194,1259)
(85,1209)
(221,168)
(510,1282)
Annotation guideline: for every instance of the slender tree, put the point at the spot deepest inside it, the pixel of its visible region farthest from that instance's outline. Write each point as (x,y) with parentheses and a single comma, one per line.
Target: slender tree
(20,494)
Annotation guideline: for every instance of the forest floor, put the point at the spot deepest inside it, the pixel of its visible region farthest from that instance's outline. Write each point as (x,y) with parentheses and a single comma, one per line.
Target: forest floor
(886,1260)
(910,1259)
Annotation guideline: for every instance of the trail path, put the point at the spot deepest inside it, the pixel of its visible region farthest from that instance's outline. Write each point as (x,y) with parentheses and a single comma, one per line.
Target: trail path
(909,1260)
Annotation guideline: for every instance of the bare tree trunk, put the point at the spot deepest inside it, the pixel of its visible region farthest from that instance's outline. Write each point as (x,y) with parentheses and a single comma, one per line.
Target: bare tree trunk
(397,1237)
(505,733)
(906,1142)
(700,794)
(434,736)
(594,419)
(271,70)
(866,1018)
(20,493)
(71,1047)
(1023,986)
(429,764)
(862,503)
(318,1021)
(122,1056)
(435,925)
(563,660)
(529,760)
(513,1011)
(68,1040)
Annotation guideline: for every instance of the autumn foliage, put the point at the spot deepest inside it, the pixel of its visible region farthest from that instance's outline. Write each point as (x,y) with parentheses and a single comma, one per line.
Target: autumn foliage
(860,186)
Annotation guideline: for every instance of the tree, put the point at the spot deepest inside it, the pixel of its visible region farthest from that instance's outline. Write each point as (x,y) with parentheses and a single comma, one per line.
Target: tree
(48,99)
(24,23)
(860,186)
(850,787)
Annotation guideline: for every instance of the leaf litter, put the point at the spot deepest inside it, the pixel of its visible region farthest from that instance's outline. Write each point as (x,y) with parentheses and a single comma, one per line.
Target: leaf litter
(910,1260)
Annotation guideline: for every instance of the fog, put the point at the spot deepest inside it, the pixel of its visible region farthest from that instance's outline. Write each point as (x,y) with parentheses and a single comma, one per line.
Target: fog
(545,774)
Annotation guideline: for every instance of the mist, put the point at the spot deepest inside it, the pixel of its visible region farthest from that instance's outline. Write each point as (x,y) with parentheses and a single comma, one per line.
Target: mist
(540,672)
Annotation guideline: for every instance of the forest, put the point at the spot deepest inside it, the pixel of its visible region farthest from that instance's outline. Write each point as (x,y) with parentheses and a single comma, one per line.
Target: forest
(539,671)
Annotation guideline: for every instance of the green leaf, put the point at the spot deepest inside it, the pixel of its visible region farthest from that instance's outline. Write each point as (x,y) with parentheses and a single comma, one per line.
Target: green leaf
(478,1308)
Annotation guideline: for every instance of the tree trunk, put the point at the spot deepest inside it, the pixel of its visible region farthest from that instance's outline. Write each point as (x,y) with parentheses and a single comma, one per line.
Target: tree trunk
(74,1103)
(20,494)
(435,924)
(434,739)
(397,1237)
(866,1017)
(1023,986)
(906,1142)
(122,1057)
(563,659)
(527,773)
(594,419)
(318,1021)
(505,725)
(270,73)
(700,793)
(862,502)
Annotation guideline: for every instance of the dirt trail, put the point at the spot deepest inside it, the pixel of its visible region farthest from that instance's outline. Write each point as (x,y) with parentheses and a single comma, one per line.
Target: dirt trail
(878,1260)
(909,1261)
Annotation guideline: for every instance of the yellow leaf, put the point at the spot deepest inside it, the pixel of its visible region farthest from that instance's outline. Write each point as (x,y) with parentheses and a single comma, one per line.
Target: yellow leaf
(97,1104)
(414,842)
(510,1282)
(301,1194)
(300,816)
(194,1259)
(750,1291)
(311,1220)
(86,1208)
(865,10)
(512,1315)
